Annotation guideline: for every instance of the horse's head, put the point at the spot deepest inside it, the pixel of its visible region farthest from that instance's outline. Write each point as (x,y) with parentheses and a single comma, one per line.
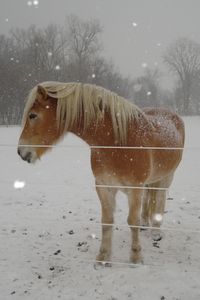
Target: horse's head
(39,127)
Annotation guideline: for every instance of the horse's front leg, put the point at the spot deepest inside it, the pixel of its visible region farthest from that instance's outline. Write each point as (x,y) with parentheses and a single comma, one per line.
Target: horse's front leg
(107,199)
(135,202)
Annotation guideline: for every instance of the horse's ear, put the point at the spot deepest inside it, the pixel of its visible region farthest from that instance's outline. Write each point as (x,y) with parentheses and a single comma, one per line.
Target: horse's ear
(42,94)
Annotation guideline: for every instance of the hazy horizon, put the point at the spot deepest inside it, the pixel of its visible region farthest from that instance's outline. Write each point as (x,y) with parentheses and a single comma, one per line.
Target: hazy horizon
(134,35)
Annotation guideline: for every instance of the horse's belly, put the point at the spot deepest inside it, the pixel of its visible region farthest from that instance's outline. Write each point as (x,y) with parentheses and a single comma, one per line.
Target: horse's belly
(106,180)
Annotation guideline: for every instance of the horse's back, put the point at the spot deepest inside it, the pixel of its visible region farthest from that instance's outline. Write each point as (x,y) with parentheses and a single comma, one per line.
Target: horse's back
(169,124)
(159,116)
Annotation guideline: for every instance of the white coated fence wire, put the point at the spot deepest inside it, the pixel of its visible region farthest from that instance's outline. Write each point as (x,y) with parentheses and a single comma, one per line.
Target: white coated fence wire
(106,264)
(120,187)
(100,147)
(118,225)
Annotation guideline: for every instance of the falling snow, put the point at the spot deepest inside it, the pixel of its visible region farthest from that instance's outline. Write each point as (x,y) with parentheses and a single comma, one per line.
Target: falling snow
(144,65)
(57,68)
(92,235)
(134,24)
(19,184)
(158,217)
(35,3)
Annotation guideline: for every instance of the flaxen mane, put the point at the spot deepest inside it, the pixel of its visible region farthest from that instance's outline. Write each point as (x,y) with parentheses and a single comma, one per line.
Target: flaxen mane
(76,99)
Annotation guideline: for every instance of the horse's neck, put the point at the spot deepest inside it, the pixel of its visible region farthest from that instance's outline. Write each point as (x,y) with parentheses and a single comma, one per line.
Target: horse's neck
(101,133)
(96,133)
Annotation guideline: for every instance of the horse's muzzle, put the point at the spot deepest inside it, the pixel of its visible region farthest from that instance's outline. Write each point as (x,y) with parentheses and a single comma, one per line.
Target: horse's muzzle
(25,155)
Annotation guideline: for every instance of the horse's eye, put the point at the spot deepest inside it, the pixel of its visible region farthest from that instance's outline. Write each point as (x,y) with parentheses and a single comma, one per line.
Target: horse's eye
(32,116)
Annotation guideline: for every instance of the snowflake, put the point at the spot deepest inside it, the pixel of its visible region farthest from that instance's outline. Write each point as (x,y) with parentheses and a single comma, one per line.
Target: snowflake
(35,2)
(93,236)
(134,24)
(148,93)
(93,75)
(57,68)
(19,184)
(158,217)
(144,65)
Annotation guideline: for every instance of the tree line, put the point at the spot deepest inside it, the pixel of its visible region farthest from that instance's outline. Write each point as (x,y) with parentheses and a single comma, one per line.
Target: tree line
(73,52)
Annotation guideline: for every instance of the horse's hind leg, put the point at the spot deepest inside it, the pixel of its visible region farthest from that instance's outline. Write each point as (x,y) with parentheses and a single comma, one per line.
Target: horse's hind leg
(135,200)
(157,205)
(145,207)
(107,199)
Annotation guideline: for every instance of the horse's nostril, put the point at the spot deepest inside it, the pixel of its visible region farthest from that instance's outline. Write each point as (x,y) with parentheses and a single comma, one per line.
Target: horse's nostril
(19,152)
(28,157)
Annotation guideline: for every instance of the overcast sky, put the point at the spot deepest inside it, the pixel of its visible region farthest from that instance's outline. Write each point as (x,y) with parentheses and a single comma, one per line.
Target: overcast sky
(135,32)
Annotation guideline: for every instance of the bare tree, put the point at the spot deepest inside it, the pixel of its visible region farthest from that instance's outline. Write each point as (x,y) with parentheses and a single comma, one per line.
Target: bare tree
(9,74)
(146,88)
(83,45)
(42,50)
(183,58)
(107,75)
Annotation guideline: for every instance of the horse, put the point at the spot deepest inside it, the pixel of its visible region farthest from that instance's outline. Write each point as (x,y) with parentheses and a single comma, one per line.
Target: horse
(133,150)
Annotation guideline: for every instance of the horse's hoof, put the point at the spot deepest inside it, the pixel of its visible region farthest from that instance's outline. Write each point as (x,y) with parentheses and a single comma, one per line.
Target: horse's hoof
(136,265)
(103,259)
(101,264)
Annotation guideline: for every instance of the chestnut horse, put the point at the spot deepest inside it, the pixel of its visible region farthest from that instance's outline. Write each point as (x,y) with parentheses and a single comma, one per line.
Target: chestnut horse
(132,150)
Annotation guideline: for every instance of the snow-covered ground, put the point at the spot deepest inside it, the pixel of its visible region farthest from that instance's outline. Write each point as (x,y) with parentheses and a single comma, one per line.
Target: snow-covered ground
(50,230)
